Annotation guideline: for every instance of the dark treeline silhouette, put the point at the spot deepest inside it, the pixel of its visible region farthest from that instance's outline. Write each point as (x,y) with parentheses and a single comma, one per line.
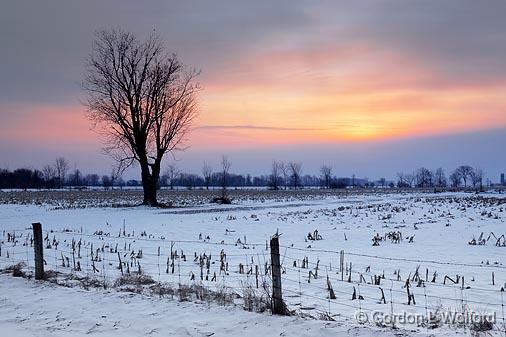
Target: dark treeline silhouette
(463,176)
(283,176)
(21,178)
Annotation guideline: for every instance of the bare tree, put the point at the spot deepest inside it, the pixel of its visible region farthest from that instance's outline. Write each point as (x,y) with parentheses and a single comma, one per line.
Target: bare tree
(92,179)
(295,170)
(326,175)
(143,99)
(476,177)
(61,167)
(424,177)
(116,173)
(464,172)
(275,177)
(207,172)
(410,179)
(455,179)
(383,182)
(225,167)
(106,182)
(285,172)
(440,178)
(49,175)
(171,174)
(402,180)
(75,178)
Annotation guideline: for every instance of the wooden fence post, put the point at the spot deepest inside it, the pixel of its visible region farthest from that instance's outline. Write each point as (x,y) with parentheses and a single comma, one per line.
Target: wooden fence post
(277,298)
(38,250)
(341,264)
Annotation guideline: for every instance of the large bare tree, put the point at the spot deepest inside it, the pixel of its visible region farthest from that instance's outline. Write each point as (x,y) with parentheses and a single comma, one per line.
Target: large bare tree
(142,99)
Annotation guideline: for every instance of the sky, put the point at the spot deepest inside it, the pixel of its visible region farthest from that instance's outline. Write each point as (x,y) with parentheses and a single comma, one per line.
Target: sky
(370,87)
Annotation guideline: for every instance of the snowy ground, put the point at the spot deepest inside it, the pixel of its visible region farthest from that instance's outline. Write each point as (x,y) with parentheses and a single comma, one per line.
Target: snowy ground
(442,226)
(29,308)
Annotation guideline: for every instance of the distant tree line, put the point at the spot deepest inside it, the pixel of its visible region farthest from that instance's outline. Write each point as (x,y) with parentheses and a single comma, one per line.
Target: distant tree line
(57,176)
(462,176)
(284,175)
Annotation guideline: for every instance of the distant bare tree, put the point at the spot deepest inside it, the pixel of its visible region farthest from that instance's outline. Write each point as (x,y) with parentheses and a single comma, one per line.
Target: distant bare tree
(116,173)
(49,175)
(75,178)
(171,174)
(285,172)
(92,179)
(464,172)
(326,175)
(275,176)
(207,172)
(476,177)
(225,168)
(455,179)
(424,177)
(143,99)
(410,179)
(383,182)
(440,178)
(402,180)
(106,182)
(61,167)
(295,170)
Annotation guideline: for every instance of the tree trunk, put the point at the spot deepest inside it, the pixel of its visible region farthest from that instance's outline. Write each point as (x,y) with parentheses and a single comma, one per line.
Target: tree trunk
(149,185)
(149,192)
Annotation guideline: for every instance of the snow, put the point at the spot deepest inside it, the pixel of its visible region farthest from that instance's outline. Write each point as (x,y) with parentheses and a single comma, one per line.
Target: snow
(442,225)
(30,308)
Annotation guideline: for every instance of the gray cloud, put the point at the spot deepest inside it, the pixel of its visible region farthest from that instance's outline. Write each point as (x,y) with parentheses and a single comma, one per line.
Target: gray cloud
(44,43)
(462,41)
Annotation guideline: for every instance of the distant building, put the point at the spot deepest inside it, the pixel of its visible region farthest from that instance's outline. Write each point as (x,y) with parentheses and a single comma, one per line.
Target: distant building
(502,179)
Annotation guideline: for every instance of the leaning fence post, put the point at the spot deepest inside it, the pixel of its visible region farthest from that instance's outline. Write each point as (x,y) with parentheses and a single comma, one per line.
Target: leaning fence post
(39,253)
(277,298)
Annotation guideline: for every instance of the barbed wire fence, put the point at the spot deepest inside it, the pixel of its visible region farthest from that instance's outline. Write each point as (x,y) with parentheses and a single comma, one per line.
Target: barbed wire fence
(324,284)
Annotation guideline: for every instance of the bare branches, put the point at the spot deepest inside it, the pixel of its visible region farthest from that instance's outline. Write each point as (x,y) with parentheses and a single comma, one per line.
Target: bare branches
(171,174)
(295,170)
(225,168)
(275,177)
(61,168)
(142,99)
(326,175)
(207,172)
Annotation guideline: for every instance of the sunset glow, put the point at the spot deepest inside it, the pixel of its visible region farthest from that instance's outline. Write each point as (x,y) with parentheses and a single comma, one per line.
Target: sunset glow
(334,74)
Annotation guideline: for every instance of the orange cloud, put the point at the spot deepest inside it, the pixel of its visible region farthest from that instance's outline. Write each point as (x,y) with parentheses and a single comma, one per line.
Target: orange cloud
(342,92)
(45,124)
(347,93)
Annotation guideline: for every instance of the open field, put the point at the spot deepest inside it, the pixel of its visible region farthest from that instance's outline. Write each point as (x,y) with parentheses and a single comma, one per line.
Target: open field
(97,197)
(342,253)
(178,198)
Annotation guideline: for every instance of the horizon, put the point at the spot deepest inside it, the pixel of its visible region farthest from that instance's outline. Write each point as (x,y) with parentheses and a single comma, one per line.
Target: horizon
(372,89)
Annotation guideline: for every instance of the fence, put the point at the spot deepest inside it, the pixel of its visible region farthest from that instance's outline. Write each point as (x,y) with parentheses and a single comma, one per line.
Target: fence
(325,284)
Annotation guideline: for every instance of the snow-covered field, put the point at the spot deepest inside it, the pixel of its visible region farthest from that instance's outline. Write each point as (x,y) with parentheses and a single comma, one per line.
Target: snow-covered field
(224,249)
